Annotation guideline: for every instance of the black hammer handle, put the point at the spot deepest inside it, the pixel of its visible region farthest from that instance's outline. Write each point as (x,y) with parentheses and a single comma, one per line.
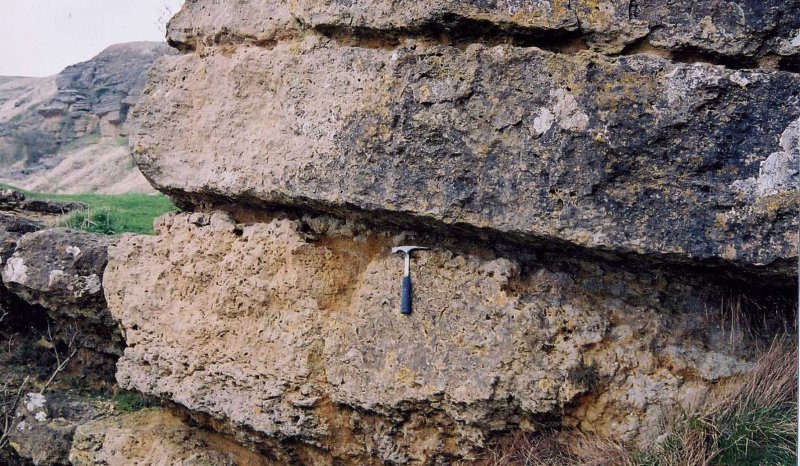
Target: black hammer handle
(405,296)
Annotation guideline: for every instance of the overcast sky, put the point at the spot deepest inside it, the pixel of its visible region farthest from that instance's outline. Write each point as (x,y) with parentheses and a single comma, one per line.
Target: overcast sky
(42,37)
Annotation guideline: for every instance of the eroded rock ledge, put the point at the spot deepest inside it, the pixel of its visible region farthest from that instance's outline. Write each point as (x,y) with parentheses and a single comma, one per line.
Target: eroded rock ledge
(734,29)
(635,154)
(289,329)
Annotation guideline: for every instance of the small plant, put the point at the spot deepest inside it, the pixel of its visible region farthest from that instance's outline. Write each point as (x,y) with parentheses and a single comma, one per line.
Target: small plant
(97,221)
(129,401)
(585,376)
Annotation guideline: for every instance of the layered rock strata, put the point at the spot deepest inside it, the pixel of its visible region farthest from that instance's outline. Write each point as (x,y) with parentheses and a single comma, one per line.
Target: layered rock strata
(613,232)
(39,117)
(736,29)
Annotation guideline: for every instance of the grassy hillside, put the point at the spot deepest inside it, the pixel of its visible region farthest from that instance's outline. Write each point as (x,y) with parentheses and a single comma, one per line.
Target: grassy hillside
(111,213)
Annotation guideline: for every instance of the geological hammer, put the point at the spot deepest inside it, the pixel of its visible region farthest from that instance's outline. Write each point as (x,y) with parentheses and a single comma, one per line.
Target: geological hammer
(405,290)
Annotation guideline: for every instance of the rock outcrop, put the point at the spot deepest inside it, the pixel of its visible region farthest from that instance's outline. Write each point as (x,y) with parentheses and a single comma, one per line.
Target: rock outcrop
(737,29)
(15,221)
(608,190)
(56,274)
(45,426)
(290,328)
(60,342)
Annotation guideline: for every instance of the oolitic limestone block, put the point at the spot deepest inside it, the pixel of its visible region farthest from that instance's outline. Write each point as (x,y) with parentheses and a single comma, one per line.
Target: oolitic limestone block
(634,155)
(290,329)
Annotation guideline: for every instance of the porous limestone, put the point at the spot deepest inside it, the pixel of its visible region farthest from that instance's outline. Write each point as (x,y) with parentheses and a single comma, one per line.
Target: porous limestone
(290,328)
(632,155)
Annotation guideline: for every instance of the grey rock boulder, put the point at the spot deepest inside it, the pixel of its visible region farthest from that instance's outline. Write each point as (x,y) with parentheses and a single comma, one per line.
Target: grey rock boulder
(45,426)
(62,270)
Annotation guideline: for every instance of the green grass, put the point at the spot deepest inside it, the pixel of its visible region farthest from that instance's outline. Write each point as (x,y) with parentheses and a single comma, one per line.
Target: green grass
(127,402)
(97,221)
(758,435)
(112,213)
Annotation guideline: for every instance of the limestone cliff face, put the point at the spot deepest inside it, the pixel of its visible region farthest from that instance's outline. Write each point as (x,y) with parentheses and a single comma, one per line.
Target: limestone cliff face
(601,185)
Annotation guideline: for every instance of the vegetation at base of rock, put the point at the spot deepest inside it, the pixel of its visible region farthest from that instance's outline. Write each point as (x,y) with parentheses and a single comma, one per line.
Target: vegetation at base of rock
(749,421)
(111,213)
(98,221)
(130,401)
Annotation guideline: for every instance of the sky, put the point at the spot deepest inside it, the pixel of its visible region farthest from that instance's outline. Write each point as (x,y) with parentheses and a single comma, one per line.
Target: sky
(42,37)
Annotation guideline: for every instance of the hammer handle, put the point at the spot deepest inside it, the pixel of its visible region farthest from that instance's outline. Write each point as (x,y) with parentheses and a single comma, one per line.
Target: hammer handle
(405,296)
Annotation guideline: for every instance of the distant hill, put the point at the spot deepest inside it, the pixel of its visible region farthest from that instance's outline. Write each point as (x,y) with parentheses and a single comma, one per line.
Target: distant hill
(68,132)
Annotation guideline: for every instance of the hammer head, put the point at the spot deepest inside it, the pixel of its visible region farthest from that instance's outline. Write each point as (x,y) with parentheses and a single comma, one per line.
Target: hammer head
(406,249)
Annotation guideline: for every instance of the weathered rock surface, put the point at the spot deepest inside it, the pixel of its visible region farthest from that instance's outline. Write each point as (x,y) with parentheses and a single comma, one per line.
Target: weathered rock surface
(154,437)
(45,426)
(62,270)
(290,329)
(636,154)
(54,429)
(13,225)
(728,28)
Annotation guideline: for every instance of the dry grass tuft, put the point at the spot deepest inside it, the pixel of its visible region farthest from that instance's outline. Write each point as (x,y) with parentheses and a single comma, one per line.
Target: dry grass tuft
(559,449)
(749,421)
(531,450)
